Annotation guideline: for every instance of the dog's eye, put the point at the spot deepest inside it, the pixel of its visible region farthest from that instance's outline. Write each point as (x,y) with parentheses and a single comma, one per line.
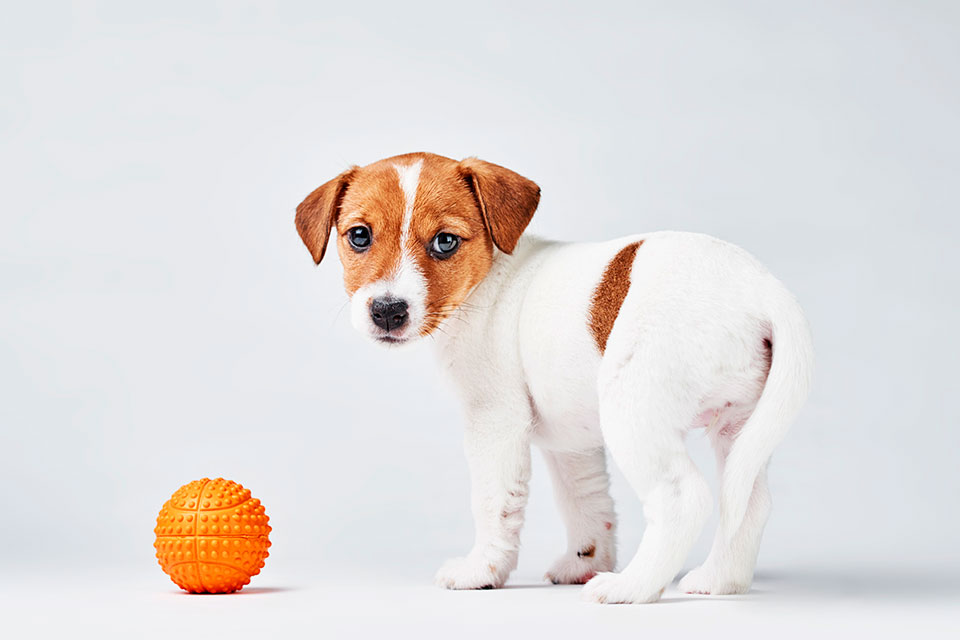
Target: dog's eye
(444,245)
(359,237)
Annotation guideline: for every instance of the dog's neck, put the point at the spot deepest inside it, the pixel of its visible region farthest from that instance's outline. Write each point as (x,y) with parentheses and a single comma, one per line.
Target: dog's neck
(503,287)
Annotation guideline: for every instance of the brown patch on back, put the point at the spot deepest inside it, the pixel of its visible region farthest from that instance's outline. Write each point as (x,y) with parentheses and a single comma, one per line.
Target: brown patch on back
(609,295)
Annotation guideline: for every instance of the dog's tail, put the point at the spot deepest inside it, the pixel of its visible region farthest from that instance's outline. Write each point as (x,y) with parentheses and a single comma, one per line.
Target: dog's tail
(787,385)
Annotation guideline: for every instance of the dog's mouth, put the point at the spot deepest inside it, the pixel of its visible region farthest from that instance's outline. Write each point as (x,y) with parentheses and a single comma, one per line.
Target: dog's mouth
(394,338)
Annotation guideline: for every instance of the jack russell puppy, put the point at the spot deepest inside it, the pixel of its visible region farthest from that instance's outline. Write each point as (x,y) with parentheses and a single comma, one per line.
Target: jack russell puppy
(578,348)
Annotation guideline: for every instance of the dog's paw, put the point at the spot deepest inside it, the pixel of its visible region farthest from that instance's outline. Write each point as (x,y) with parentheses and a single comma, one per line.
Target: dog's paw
(580,566)
(709,582)
(472,572)
(619,588)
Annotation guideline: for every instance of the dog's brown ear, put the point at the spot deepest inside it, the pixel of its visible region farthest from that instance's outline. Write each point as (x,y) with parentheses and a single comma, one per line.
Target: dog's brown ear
(506,199)
(318,212)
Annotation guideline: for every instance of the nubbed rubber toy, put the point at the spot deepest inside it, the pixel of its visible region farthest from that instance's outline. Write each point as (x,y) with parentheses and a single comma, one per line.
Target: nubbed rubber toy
(212,536)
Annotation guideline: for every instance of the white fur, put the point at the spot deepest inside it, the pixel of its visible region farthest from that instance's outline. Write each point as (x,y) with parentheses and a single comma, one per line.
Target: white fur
(686,350)
(409,175)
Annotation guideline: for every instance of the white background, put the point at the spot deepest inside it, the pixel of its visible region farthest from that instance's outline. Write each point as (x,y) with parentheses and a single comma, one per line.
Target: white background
(160,320)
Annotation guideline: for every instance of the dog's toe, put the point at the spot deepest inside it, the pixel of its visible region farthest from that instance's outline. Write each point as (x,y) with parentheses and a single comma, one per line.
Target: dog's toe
(572,568)
(706,581)
(619,588)
(471,573)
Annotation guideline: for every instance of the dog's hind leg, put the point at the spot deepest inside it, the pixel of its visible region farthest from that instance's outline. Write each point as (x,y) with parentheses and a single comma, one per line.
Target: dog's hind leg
(582,489)
(729,567)
(644,417)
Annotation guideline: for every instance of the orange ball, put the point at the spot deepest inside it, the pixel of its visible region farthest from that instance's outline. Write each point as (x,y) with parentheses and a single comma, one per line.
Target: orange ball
(212,536)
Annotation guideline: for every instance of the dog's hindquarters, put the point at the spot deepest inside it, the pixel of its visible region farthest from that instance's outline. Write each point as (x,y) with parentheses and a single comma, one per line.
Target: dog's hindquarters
(694,337)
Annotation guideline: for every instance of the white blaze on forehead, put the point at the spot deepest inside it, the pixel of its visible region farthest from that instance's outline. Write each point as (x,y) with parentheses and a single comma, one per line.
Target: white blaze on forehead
(405,281)
(409,176)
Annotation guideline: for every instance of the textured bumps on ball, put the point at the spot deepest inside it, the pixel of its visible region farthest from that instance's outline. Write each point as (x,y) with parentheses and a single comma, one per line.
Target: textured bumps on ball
(212,536)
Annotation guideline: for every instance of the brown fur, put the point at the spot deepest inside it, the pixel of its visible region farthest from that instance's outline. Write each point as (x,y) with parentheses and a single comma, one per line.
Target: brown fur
(481,202)
(317,212)
(375,199)
(610,293)
(507,200)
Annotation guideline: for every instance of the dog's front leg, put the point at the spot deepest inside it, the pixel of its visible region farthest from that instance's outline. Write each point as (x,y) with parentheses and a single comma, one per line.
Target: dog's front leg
(498,453)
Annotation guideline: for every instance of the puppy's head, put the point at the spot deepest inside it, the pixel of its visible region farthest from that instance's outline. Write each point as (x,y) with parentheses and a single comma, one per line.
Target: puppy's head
(415,233)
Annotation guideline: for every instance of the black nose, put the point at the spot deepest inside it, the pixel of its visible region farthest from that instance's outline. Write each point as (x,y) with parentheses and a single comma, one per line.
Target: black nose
(388,313)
